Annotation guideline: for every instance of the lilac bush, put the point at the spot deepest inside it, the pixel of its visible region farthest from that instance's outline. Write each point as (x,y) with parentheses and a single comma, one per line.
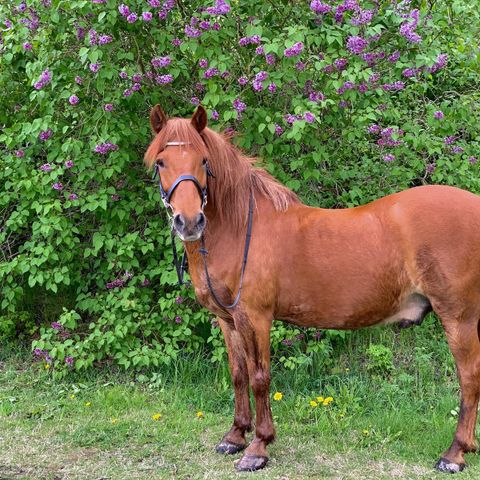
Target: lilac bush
(344,100)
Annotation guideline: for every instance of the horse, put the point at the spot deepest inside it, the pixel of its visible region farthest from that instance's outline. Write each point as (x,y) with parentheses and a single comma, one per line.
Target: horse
(390,261)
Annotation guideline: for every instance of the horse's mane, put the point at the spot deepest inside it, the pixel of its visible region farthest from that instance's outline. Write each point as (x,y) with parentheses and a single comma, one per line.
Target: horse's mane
(235,173)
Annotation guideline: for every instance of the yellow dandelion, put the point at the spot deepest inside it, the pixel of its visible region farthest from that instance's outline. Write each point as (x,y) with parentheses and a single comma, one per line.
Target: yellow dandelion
(47,366)
(114,420)
(320,399)
(313,403)
(157,416)
(366,432)
(87,404)
(200,414)
(72,396)
(327,401)
(277,396)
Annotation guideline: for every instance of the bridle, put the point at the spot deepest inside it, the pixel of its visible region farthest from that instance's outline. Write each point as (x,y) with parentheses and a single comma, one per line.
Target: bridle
(181,267)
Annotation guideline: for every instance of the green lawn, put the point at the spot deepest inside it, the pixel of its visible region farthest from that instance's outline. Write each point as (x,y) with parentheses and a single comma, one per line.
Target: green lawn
(100,426)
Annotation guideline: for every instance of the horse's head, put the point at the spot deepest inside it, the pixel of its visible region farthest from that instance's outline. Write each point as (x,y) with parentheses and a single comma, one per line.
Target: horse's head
(180,159)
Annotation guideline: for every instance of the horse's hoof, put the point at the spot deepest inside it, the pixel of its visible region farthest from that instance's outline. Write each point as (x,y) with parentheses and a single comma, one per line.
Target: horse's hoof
(444,465)
(250,463)
(229,448)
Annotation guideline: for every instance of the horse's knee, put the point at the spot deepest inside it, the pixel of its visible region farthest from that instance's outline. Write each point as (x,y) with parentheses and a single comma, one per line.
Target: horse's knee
(260,382)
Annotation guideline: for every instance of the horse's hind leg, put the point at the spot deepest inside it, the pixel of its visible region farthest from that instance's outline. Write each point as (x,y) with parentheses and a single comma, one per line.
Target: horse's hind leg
(234,440)
(464,342)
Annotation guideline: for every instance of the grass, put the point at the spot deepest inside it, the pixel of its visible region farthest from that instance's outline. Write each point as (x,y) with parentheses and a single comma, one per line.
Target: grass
(99,425)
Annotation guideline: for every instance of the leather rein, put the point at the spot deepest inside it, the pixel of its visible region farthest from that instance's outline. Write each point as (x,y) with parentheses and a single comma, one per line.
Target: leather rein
(181,267)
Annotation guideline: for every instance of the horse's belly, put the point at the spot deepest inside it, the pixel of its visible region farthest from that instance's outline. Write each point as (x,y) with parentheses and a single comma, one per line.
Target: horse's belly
(408,312)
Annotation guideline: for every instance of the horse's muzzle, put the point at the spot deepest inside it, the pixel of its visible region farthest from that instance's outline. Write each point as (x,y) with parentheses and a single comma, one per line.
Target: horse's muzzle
(189,229)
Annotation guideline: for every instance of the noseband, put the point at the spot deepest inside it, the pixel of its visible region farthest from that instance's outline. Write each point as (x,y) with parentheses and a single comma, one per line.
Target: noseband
(167,195)
(182,267)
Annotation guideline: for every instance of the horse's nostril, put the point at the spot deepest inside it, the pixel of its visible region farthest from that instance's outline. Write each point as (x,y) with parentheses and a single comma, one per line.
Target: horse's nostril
(179,221)
(201,220)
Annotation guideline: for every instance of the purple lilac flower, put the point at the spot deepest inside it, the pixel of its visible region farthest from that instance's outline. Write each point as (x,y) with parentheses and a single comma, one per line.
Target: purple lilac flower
(450,140)
(340,63)
(203,63)
(27,46)
(472,159)
(362,88)
(19,153)
(278,130)
(94,67)
(362,17)
(127,92)
(69,164)
(239,106)
(147,16)
(215,115)
(410,72)
(211,72)
(287,342)
(145,283)
(309,117)
(290,118)
(205,25)
(192,32)
(179,300)
(45,134)
(259,50)
(57,186)
(123,75)
(388,157)
(178,319)
(272,87)
(93,36)
(104,148)
(243,81)
(430,168)
(104,39)
(46,167)
(394,56)
(261,76)
(200,87)
(108,107)
(154,3)
(257,86)
(319,7)
(124,10)
(221,8)
(407,28)
(195,101)
(116,283)
(164,79)
(393,87)
(72,196)
(136,87)
(69,361)
(161,62)
(73,100)
(132,18)
(137,77)
(439,64)
(294,50)
(39,352)
(79,80)
(374,128)
(57,326)
(270,58)
(45,79)
(457,149)
(176,42)
(316,96)
(300,66)
(356,44)
(438,115)
(115,197)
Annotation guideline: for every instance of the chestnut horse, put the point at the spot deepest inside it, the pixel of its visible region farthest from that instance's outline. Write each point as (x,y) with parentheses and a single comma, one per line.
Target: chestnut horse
(393,260)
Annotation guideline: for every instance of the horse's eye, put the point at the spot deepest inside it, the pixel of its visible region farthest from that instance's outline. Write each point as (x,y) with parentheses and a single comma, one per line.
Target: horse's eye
(160,163)
(204,161)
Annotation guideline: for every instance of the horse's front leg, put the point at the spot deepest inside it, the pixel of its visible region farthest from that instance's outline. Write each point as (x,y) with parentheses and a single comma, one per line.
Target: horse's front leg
(254,328)
(234,440)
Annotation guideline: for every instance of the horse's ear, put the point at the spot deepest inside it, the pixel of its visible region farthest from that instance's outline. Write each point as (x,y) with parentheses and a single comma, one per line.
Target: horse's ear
(199,119)
(157,118)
